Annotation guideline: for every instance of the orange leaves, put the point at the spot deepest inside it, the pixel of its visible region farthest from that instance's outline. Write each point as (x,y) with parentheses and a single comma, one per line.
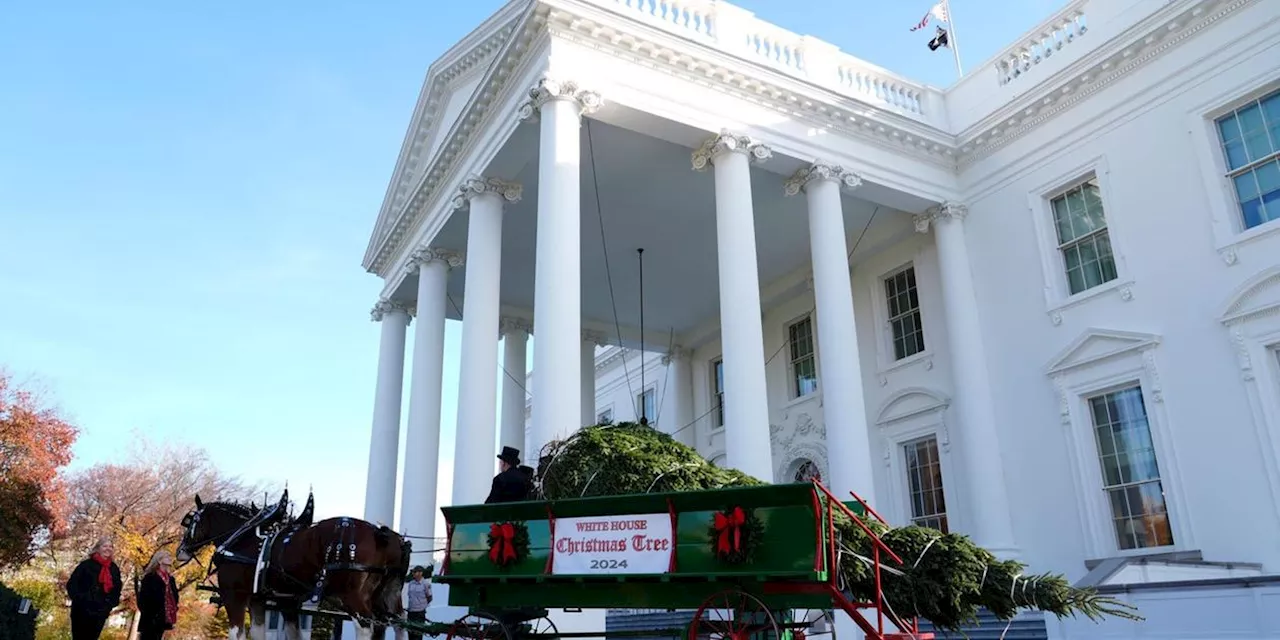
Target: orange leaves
(35,443)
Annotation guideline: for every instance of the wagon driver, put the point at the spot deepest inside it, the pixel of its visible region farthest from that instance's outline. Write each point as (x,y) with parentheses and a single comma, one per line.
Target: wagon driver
(511,484)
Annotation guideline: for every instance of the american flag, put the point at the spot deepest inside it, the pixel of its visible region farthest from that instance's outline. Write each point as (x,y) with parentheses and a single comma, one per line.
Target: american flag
(938,11)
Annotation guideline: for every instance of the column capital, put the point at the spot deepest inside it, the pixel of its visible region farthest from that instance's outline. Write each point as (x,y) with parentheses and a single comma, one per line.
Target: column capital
(725,142)
(386,306)
(511,324)
(427,255)
(475,186)
(550,89)
(945,211)
(821,171)
(677,353)
(596,337)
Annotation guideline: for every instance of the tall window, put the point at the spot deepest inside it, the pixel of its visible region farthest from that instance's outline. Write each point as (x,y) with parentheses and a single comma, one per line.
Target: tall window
(605,417)
(1130,474)
(1083,238)
(904,313)
(924,479)
(1250,138)
(717,390)
(645,401)
(804,368)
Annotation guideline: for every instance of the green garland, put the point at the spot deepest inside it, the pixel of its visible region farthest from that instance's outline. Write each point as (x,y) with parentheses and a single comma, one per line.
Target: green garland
(508,543)
(735,535)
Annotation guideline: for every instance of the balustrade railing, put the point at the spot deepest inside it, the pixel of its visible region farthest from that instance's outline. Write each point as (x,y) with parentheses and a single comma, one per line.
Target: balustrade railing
(1058,32)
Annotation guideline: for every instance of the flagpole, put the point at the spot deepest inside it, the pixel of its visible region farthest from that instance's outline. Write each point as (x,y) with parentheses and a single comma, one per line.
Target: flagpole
(951,37)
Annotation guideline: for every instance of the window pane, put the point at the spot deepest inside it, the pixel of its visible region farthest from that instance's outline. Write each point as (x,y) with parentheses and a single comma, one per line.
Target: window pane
(1130,472)
(924,481)
(904,313)
(1256,141)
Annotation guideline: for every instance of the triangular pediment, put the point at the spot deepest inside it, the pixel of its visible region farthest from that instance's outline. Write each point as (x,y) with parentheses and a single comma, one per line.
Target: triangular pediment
(1095,345)
(910,402)
(1260,294)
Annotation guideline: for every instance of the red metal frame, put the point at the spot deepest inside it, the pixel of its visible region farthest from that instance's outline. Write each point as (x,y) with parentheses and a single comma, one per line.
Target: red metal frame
(551,553)
(671,509)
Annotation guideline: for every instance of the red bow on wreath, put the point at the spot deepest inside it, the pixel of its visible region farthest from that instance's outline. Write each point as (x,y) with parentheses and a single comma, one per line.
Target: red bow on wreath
(730,527)
(503,549)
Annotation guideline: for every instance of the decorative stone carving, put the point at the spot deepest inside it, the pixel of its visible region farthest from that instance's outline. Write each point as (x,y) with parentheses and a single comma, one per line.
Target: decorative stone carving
(510,324)
(677,352)
(821,171)
(427,255)
(1242,354)
(945,211)
(1153,374)
(727,142)
(510,191)
(385,306)
(550,89)
(1064,399)
(1126,293)
(594,337)
(1229,256)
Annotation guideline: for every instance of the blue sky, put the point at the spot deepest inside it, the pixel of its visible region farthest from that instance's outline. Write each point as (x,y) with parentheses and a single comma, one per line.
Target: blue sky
(186,193)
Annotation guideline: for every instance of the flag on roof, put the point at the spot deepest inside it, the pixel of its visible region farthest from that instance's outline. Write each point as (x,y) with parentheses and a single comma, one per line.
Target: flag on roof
(939,40)
(939,12)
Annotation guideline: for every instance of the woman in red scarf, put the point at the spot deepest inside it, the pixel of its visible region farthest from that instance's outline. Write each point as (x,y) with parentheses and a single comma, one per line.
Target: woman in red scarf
(94,590)
(157,598)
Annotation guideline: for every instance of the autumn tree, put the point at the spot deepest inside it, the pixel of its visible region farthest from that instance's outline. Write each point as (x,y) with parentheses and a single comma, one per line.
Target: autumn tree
(35,443)
(140,503)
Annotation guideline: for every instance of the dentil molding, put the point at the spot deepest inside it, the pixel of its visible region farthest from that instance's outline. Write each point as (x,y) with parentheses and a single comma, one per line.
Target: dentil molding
(727,142)
(846,178)
(551,89)
(509,191)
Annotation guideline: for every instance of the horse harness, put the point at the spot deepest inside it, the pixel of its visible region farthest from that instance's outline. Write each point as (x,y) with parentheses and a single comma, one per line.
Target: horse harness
(339,555)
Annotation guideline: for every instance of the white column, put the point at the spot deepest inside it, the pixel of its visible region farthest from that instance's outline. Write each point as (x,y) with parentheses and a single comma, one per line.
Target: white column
(989,520)
(748,443)
(384,439)
(590,340)
(557,297)
(422,442)
(475,445)
(515,343)
(843,407)
(676,417)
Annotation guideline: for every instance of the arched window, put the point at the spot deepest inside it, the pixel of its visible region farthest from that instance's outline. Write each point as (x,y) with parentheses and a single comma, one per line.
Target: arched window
(807,470)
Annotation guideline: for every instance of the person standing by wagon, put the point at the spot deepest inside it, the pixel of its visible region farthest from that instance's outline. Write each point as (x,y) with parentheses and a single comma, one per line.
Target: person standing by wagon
(157,598)
(418,597)
(94,591)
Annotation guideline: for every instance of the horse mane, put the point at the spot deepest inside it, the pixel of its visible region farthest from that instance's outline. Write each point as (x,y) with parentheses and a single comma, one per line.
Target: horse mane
(233,508)
(382,536)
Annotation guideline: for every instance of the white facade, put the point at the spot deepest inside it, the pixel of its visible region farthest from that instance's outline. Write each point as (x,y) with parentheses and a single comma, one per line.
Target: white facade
(957,212)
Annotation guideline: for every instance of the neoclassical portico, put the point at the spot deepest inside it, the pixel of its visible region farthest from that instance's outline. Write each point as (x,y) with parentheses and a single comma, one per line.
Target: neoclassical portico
(563,390)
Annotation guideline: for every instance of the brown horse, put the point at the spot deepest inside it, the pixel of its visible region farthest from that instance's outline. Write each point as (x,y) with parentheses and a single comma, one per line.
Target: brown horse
(231,528)
(344,564)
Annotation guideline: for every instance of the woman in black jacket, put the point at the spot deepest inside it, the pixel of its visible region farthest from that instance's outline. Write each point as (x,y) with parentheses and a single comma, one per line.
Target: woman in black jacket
(157,598)
(94,590)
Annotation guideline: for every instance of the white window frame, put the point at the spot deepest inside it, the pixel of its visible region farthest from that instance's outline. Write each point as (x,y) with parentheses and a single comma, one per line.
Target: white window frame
(890,352)
(792,395)
(904,417)
(639,403)
(1100,361)
(600,413)
(1057,292)
(885,361)
(717,413)
(1251,317)
(906,471)
(1227,221)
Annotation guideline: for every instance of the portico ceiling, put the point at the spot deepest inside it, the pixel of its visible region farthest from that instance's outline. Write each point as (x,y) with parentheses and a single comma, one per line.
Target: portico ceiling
(650,197)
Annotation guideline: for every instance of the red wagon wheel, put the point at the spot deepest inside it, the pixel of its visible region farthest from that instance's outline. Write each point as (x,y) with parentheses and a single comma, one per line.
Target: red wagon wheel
(473,627)
(733,615)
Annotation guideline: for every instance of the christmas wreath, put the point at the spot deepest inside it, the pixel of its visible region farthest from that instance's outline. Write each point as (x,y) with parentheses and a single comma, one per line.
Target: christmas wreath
(735,535)
(508,543)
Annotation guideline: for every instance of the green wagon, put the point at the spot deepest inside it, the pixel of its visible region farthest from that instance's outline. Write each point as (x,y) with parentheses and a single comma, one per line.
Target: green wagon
(756,552)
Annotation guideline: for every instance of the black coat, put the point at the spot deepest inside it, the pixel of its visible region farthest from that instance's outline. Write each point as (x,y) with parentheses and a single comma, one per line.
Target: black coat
(511,485)
(151,602)
(85,591)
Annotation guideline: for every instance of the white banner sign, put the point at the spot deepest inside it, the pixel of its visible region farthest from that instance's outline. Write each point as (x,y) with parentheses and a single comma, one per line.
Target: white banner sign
(613,544)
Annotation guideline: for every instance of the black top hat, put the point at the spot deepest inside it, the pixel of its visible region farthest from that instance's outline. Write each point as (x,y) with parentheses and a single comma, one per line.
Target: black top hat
(510,455)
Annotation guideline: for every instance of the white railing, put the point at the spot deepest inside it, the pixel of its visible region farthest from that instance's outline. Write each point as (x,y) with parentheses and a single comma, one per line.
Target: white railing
(1052,36)
(738,32)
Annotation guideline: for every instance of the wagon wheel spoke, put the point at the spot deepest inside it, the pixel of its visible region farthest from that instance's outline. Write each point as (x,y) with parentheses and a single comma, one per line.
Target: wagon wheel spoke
(538,629)
(472,627)
(747,619)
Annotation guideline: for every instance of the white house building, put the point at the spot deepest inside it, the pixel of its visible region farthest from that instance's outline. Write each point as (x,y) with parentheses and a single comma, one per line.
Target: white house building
(1040,307)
